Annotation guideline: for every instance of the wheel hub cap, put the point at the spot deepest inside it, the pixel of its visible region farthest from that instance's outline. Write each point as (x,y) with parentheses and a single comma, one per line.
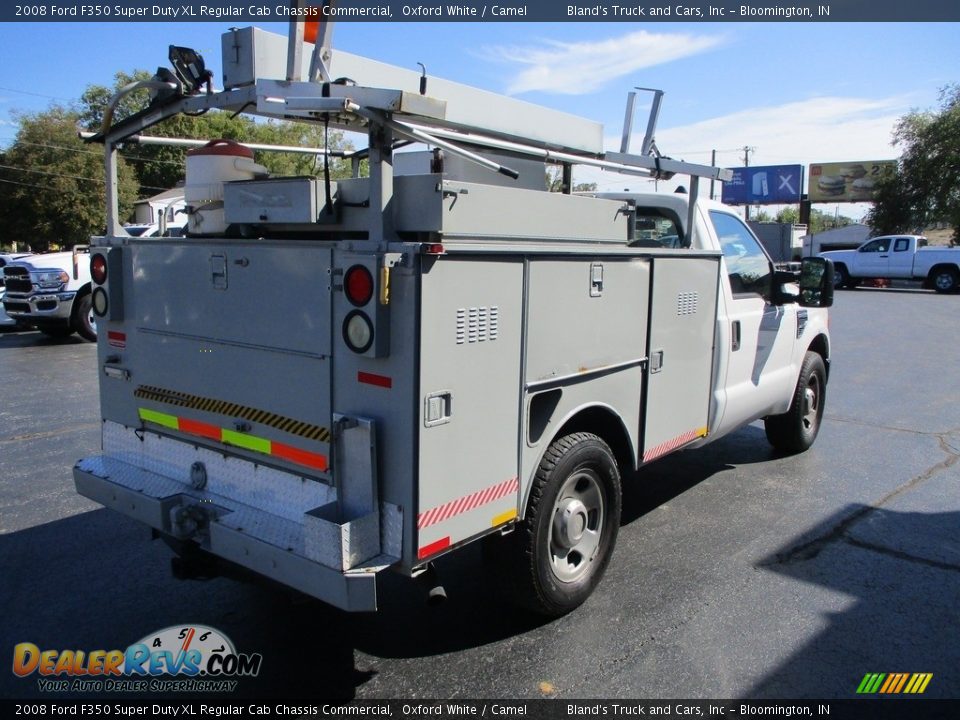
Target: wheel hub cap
(570,523)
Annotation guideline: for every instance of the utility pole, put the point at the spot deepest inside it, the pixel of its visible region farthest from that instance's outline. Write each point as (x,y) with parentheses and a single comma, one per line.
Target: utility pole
(746,163)
(713,163)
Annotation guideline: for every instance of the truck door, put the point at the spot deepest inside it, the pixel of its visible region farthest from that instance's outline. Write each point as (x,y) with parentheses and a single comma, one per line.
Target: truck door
(901,259)
(873,259)
(759,371)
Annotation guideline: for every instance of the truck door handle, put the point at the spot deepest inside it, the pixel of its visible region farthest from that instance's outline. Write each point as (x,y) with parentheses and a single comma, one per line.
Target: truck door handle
(884,256)
(735,339)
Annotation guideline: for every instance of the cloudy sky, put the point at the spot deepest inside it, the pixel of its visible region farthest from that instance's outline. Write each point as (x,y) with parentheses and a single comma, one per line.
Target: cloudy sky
(794,92)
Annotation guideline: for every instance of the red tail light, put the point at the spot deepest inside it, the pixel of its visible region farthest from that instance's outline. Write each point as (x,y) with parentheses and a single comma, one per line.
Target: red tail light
(358,285)
(98,268)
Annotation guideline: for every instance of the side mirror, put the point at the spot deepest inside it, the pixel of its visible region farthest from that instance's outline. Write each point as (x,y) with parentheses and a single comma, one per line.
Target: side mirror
(816,282)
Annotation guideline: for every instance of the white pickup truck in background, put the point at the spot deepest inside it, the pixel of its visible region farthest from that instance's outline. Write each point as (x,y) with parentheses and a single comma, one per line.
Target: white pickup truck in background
(52,292)
(898,257)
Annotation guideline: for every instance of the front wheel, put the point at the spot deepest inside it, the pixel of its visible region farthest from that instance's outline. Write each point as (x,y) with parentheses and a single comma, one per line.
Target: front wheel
(796,429)
(82,319)
(559,552)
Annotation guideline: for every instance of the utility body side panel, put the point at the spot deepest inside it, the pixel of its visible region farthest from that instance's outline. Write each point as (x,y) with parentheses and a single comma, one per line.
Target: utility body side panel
(468,416)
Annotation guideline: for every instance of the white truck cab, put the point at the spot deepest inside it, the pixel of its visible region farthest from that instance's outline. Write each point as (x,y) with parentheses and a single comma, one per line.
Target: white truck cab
(901,257)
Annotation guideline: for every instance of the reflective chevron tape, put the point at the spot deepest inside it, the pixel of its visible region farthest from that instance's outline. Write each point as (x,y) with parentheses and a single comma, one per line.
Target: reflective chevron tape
(466,503)
(298,456)
(670,445)
(221,407)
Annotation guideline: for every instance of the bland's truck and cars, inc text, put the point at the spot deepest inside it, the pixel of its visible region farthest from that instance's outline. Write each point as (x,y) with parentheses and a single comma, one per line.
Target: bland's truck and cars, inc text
(325,380)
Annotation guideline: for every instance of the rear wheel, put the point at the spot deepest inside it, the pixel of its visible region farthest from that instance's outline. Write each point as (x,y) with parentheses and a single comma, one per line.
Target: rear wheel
(558,554)
(796,429)
(945,280)
(82,319)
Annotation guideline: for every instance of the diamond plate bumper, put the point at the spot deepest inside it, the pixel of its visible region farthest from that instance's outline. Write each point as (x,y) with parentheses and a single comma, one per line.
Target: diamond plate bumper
(268,544)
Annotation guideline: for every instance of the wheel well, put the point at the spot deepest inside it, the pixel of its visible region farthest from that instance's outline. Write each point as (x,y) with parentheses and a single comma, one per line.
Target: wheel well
(820,346)
(942,266)
(605,424)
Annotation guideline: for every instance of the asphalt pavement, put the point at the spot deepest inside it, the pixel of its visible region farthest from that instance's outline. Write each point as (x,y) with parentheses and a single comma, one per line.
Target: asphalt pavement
(737,573)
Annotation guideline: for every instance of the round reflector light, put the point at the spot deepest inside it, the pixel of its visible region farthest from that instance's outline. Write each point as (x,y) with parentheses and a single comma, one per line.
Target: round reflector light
(98,268)
(358,284)
(358,331)
(99,301)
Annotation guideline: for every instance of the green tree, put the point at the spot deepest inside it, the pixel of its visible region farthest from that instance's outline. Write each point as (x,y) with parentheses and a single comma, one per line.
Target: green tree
(788,214)
(53,184)
(926,186)
(554,180)
(164,166)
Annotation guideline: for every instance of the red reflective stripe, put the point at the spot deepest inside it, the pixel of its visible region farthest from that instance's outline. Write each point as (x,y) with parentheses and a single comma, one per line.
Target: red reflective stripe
(195,427)
(372,379)
(433,548)
(301,457)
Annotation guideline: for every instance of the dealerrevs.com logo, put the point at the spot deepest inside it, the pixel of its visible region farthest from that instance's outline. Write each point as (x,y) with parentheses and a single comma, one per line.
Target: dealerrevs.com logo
(181,658)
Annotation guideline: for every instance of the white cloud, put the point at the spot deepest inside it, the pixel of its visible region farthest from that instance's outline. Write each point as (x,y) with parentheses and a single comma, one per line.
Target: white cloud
(578,68)
(820,129)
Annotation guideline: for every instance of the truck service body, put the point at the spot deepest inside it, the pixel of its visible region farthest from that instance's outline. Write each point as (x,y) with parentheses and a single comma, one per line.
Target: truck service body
(370,373)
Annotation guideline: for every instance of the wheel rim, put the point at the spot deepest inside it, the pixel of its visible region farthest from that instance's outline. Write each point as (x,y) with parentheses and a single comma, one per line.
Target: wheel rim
(92,321)
(944,281)
(811,404)
(576,526)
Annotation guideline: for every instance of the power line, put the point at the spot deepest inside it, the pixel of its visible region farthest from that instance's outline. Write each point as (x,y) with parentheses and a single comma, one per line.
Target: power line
(72,177)
(27,92)
(91,152)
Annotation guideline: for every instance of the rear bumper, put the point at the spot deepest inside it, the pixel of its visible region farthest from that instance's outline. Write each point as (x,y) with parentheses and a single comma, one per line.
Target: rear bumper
(267,544)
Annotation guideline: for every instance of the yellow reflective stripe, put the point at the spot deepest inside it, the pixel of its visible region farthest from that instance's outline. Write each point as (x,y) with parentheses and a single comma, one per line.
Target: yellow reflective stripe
(504,517)
(159,418)
(260,445)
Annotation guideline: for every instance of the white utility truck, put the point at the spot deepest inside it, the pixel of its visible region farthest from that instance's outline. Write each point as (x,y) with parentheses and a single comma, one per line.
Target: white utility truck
(329,379)
(901,257)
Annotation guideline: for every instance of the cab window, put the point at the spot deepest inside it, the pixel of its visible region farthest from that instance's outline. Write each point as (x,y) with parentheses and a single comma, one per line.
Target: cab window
(878,245)
(901,245)
(657,228)
(748,266)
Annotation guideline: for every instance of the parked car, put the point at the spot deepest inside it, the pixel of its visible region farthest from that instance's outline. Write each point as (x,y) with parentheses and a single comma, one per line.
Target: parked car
(5,259)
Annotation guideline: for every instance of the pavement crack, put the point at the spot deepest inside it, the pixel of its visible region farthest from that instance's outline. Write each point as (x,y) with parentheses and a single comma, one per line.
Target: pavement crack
(48,433)
(839,532)
(901,555)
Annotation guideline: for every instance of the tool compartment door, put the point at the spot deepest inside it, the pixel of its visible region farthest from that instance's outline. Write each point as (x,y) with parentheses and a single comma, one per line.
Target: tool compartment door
(683,311)
(229,345)
(471,311)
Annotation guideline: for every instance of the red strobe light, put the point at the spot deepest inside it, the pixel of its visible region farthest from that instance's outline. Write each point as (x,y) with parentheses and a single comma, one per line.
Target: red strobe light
(358,285)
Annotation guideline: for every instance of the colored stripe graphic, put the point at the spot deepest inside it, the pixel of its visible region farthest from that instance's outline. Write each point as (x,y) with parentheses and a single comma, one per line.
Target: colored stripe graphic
(298,456)
(433,548)
(466,503)
(894,683)
(221,407)
(665,447)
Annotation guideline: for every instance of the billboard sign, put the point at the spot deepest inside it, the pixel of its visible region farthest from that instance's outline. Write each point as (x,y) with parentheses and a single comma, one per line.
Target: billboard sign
(764,185)
(847,181)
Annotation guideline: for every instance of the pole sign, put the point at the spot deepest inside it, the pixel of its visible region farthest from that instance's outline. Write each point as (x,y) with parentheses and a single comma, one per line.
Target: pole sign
(847,181)
(764,185)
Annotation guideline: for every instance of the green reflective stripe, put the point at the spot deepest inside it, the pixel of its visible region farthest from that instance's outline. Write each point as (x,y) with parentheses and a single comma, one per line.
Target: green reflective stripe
(159,418)
(877,683)
(865,682)
(231,437)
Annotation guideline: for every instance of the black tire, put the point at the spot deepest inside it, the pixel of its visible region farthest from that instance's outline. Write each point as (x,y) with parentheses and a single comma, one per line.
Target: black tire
(555,558)
(796,429)
(81,318)
(842,279)
(945,280)
(56,331)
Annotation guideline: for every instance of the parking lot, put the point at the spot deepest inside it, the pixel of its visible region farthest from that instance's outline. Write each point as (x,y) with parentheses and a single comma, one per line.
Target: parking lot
(736,574)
